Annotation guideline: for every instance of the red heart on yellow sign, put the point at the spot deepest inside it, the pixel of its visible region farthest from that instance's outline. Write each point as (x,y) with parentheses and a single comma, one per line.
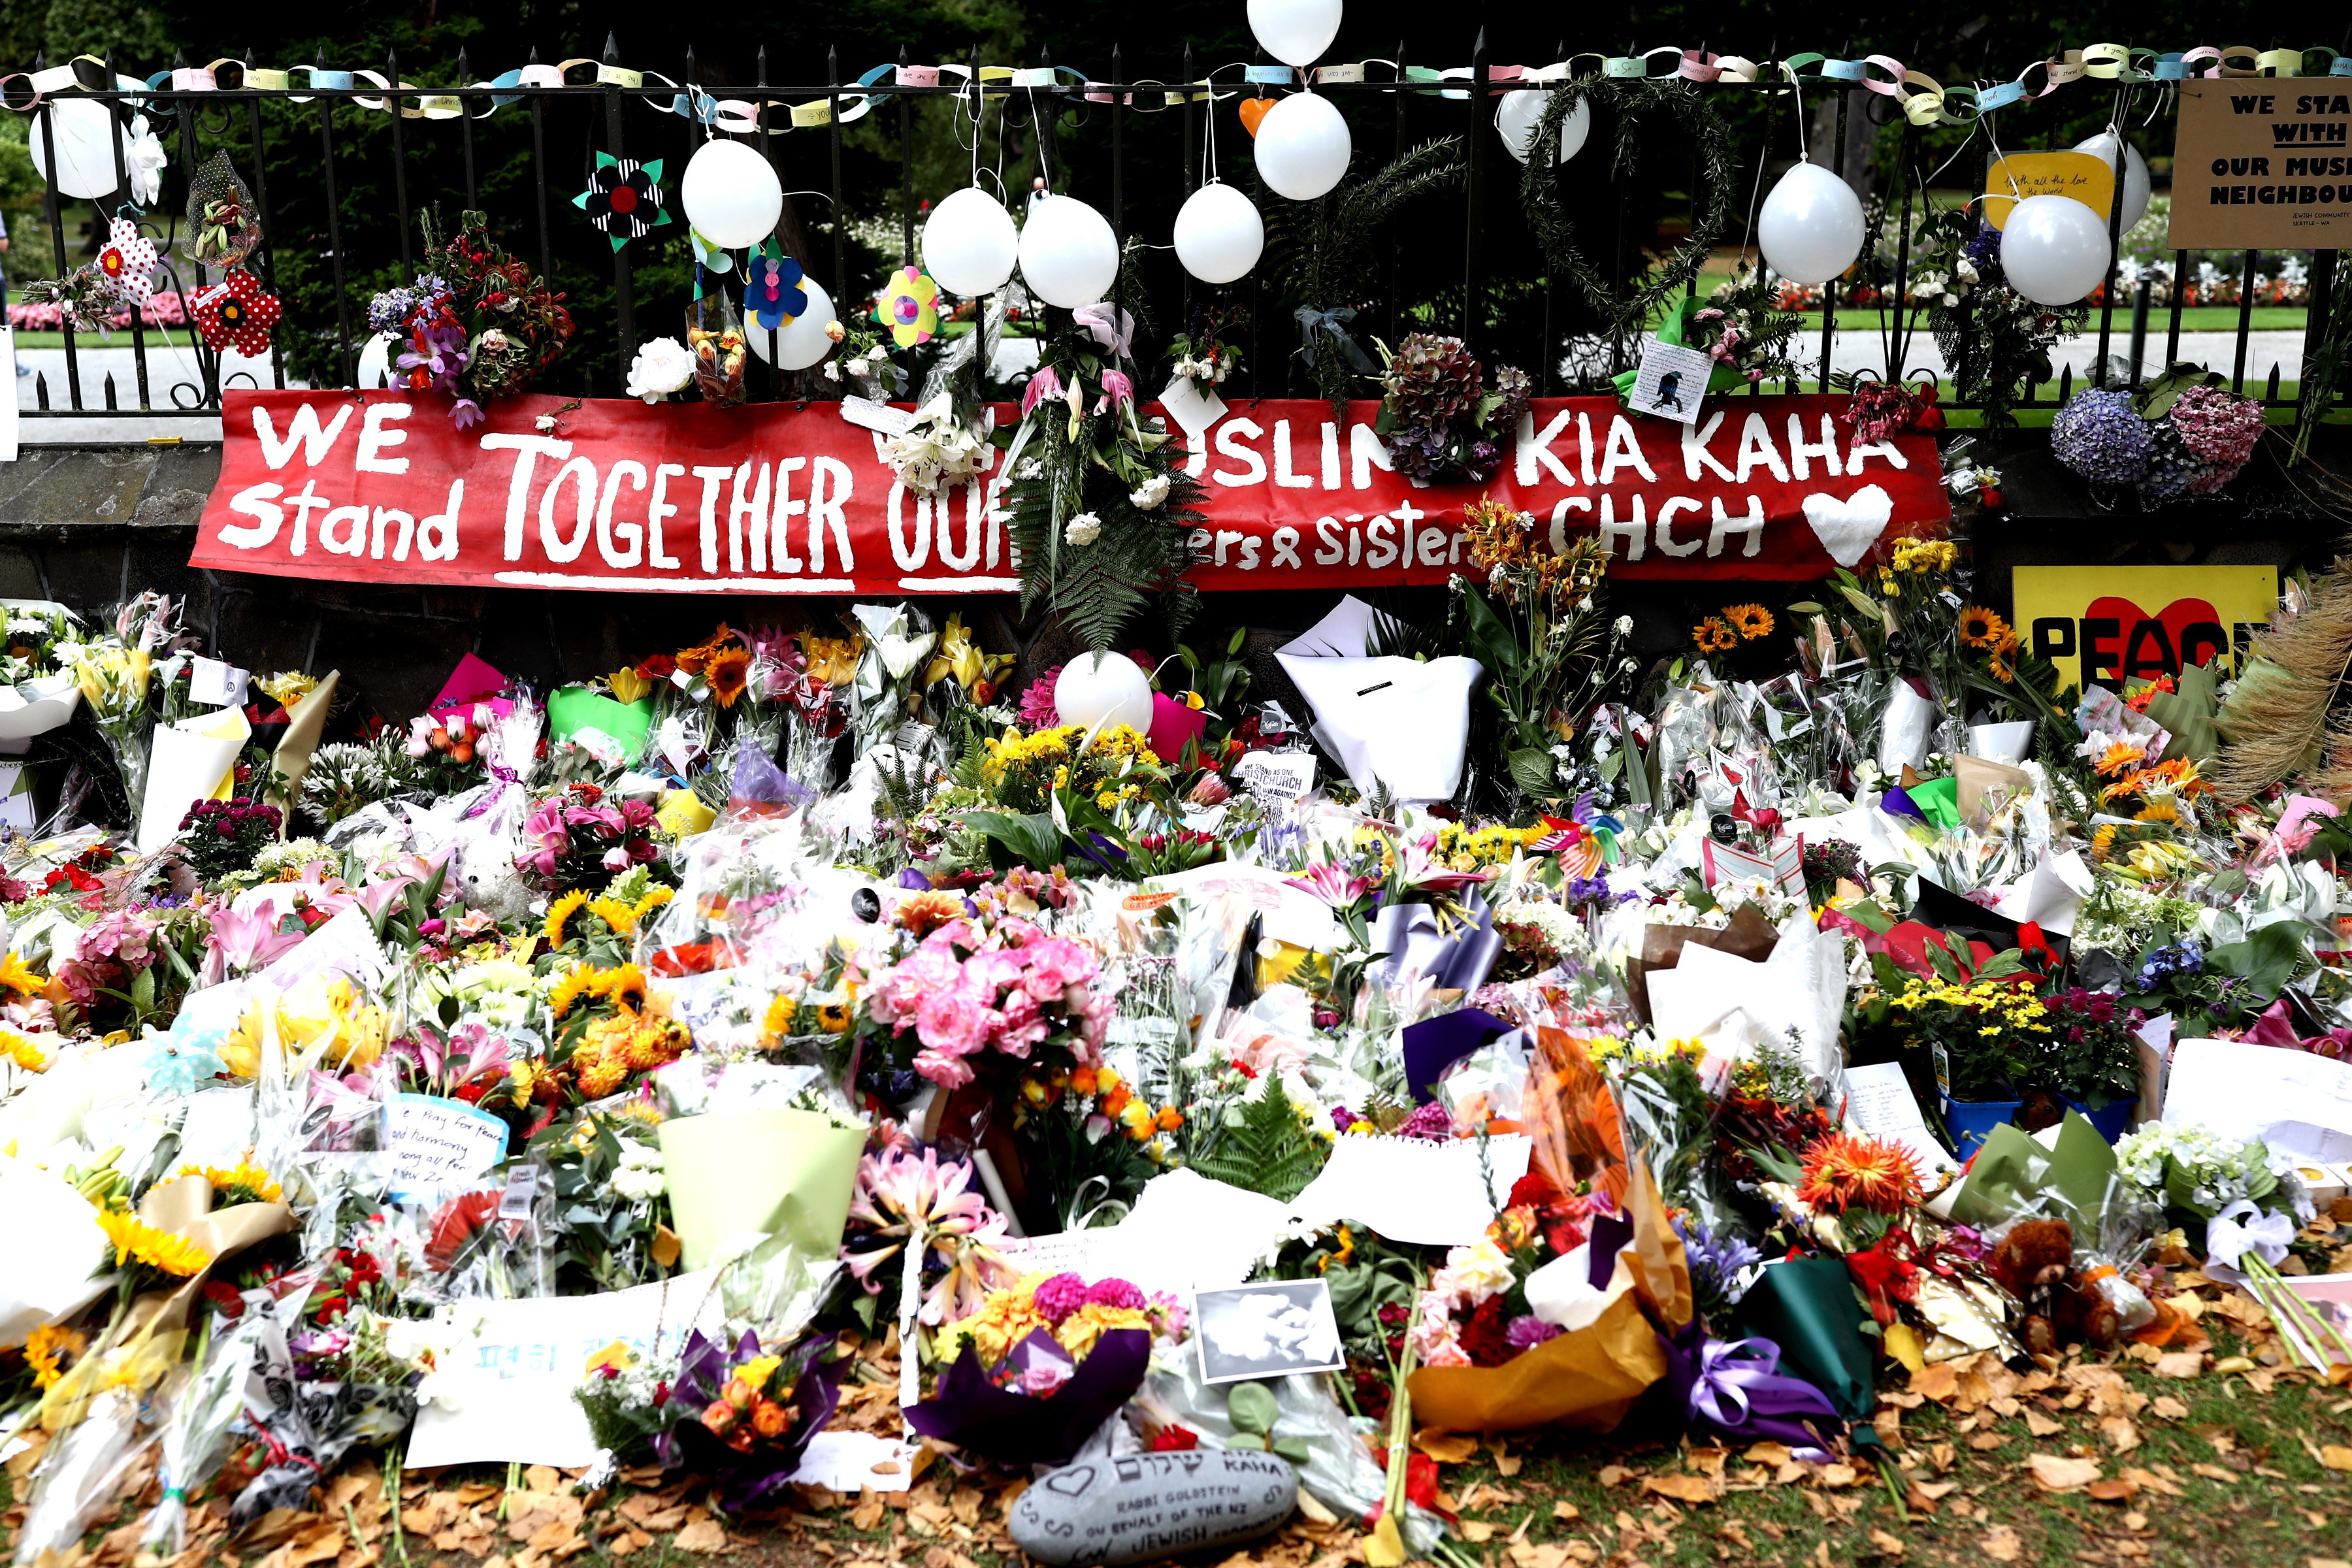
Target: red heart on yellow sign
(1253,109)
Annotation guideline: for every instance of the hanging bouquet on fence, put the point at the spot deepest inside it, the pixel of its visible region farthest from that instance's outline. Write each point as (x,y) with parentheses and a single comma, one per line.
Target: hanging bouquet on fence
(1997,341)
(1439,420)
(1102,511)
(2181,434)
(476,323)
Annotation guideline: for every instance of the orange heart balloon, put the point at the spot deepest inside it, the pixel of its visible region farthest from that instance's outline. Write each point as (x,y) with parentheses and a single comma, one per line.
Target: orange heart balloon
(1253,109)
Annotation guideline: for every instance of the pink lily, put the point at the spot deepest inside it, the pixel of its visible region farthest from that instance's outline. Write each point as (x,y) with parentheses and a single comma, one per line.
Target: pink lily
(1329,883)
(1043,386)
(1117,391)
(241,944)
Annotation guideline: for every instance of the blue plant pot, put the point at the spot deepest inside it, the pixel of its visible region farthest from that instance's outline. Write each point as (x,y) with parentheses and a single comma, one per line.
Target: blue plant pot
(1970,1121)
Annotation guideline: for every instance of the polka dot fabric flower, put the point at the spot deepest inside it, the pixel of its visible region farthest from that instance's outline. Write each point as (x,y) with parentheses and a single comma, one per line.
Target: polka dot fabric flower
(236,313)
(128,262)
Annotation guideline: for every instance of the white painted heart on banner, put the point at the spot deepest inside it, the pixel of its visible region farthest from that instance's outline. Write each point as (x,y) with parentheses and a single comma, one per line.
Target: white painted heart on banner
(1848,528)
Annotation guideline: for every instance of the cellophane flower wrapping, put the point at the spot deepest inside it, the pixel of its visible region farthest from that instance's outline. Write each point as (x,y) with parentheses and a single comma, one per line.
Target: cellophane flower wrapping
(195,1433)
(753,1448)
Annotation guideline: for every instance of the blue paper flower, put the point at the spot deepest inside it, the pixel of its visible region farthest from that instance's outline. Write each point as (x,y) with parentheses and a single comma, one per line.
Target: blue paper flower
(774,295)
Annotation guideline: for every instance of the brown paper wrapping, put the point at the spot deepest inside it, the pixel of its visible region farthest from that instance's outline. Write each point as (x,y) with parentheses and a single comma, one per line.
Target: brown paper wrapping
(1585,1380)
(305,721)
(1974,778)
(184,1208)
(1748,935)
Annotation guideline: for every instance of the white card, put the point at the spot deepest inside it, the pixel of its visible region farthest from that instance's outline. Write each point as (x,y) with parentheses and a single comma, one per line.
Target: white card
(437,1143)
(850,1461)
(1194,410)
(216,683)
(15,798)
(218,1129)
(875,415)
(1277,778)
(1879,1100)
(1672,382)
(1417,1192)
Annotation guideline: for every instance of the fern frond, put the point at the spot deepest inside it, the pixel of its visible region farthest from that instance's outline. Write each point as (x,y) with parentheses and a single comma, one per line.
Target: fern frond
(1269,1152)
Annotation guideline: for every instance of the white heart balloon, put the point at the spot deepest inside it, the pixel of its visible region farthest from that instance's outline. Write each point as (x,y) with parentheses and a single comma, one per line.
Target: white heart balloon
(970,244)
(1848,526)
(1303,147)
(1516,117)
(1295,32)
(1219,235)
(1068,255)
(2053,249)
(1812,227)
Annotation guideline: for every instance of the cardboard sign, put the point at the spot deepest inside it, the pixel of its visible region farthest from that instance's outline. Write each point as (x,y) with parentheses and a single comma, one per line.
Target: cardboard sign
(2114,624)
(2019,175)
(436,1142)
(2262,162)
(780,498)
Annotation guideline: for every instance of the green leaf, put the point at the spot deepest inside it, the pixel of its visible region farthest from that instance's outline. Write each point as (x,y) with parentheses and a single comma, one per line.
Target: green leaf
(1531,770)
(1298,1450)
(1488,640)
(1029,838)
(1251,1407)
(1269,1151)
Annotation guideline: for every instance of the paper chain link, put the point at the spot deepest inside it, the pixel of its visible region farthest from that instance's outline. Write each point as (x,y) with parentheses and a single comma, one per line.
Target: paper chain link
(1923,100)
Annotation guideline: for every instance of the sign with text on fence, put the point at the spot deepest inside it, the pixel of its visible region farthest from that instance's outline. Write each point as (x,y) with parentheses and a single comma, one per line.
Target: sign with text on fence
(792,498)
(2262,162)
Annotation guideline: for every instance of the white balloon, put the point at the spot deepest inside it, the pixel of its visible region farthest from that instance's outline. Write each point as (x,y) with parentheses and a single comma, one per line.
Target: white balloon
(1068,255)
(375,371)
(730,194)
(1295,32)
(969,243)
(1303,146)
(1811,226)
(2053,249)
(2135,182)
(1219,235)
(1519,113)
(86,135)
(1104,689)
(800,342)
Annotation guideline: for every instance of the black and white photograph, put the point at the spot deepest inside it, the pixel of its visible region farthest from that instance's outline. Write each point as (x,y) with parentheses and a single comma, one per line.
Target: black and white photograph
(1268,1330)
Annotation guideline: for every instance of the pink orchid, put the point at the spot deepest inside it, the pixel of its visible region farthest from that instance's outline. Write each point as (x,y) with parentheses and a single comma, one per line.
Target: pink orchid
(1328,881)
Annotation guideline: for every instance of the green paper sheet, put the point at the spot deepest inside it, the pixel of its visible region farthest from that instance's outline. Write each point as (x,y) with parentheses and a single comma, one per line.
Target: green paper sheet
(1939,800)
(571,709)
(1807,1305)
(2012,1171)
(738,1176)
(1675,329)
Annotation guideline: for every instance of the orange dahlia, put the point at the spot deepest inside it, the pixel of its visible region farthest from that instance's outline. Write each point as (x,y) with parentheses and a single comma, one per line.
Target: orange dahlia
(1843,1170)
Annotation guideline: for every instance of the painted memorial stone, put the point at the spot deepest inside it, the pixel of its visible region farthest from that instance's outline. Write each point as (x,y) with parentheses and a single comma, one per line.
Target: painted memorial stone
(1139,1506)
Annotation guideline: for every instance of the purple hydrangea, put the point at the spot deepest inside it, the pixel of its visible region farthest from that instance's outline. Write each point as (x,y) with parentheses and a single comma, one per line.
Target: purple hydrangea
(2101,437)
(1058,1295)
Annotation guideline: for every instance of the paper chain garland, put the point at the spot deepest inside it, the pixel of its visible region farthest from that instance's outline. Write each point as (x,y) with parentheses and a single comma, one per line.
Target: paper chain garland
(1924,101)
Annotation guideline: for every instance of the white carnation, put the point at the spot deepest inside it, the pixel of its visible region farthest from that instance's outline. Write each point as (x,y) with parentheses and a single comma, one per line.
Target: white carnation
(1083,529)
(1150,492)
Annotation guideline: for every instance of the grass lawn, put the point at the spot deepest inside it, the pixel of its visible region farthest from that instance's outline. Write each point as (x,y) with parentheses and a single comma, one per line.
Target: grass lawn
(2195,319)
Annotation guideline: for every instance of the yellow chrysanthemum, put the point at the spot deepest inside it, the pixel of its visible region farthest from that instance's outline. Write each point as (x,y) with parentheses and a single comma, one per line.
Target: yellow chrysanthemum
(17,1048)
(1082,1328)
(138,1243)
(560,914)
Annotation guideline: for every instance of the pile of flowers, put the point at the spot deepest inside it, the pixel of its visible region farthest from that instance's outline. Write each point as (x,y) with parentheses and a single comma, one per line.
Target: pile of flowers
(2183,435)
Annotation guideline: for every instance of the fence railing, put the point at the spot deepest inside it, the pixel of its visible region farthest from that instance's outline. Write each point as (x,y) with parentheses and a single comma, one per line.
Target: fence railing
(520,150)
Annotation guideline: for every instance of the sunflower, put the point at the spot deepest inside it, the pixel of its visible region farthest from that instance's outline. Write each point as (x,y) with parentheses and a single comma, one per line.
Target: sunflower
(2001,669)
(577,982)
(1713,635)
(728,671)
(1842,1171)
(15,1047)
(653,900)
(138,1244)
(619,915)
(694,659)
(244,1183)
(1750,621)
(1981,627)
(623,986)
(2118,758)
(560,914)
(46,1348)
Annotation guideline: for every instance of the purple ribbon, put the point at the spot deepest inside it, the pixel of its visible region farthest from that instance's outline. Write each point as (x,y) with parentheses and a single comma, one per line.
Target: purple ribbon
(504,776)
(1739,1390)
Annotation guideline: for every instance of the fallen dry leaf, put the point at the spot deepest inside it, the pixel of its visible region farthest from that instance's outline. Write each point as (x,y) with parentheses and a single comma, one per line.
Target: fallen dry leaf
(1445,1447)
(2121,1434)
(2335,1456)
(1887,1544)
(1682,1489)
(2215,1473)
(2180,1363)
(2041,1426)
(2001,1544)
(2059,1474)
(702,1535)
(2170,1408)
(1615,1475)
(2112,1491)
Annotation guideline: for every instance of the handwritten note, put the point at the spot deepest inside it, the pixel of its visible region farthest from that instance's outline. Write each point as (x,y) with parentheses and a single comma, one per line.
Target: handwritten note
(439,1142)
(1879,1100)
(2082,175)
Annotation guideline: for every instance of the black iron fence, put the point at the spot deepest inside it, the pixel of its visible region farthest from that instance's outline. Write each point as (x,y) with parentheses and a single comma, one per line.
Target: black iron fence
(341,164)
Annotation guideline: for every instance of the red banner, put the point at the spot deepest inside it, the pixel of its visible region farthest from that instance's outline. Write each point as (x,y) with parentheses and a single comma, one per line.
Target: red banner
(785,498)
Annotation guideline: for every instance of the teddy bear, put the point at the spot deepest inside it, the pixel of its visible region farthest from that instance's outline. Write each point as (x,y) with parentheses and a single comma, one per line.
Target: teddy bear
(2035,1263)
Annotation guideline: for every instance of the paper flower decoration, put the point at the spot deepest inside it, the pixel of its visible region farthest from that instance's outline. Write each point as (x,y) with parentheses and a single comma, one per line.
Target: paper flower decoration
(128,262)
(623,198)
(909,306)
(236,313)
(709,256)
(774,295)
